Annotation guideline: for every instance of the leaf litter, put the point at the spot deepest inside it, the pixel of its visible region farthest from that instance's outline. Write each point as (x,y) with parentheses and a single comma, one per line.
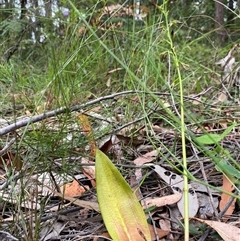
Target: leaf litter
(75,212)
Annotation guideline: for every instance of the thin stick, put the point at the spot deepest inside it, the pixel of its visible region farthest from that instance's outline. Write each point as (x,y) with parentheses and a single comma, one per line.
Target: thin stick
(7,146)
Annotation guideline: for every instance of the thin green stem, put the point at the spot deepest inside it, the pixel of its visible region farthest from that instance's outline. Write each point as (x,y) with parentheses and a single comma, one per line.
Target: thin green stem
(183,129)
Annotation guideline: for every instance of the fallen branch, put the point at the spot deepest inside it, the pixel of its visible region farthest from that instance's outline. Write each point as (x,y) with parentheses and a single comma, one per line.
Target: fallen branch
(30,120)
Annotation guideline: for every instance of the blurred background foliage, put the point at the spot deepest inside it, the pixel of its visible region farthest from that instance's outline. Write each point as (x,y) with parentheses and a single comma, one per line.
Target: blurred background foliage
(49,37)
(29,24)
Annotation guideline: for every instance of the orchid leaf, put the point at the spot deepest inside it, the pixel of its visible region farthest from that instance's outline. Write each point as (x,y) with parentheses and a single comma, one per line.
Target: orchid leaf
(122,213)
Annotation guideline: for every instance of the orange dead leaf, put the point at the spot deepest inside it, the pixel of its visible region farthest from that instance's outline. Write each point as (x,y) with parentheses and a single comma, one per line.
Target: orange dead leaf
(73,189)
(135,99)
(87,129)
(227,186)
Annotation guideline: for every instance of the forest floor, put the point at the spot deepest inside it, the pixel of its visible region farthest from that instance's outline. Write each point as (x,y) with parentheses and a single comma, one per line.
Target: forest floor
(148,152)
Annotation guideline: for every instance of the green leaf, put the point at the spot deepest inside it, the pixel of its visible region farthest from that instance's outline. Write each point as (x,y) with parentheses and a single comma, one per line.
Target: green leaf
(228,170)
(122,214)
(209,139)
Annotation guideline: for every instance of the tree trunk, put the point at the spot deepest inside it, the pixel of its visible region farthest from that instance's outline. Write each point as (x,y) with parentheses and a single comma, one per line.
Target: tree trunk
(219,20)
(230,13)
(23,8)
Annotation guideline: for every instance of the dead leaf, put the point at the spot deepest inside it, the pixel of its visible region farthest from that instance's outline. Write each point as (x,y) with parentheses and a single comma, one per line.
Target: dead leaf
(106,145)
(73,189)
(229,66)
(94,110)
(108,83)
(115,146)
(226,231)
(161,233)
(162,201)
(80,203)
(207,208)
(89,171)
(133,141)
(146,158)
(9,159)
(223,124)
(222,97)
(227,186)
(158,129)
(29,204)
(51,230)
(87,129)
(165,223)
(176,184)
